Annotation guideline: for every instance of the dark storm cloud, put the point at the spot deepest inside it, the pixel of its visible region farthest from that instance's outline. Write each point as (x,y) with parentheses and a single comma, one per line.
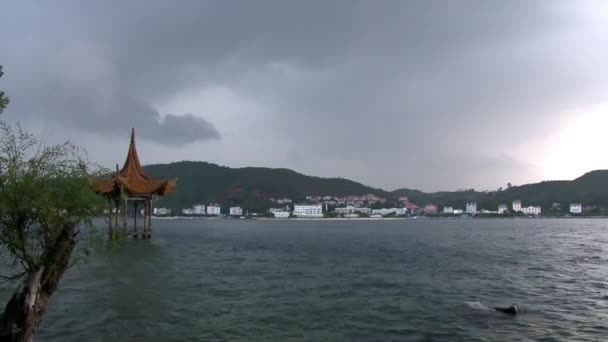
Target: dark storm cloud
(64,73)
(81,98)
(393,89)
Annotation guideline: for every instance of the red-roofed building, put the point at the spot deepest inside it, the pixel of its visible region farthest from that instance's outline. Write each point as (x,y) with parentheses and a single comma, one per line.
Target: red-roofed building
(430,209)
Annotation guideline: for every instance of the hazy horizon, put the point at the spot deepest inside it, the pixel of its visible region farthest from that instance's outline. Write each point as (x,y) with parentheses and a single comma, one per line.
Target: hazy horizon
(423,95)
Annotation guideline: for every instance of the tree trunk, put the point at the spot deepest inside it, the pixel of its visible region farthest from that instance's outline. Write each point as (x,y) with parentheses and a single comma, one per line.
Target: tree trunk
(23,313)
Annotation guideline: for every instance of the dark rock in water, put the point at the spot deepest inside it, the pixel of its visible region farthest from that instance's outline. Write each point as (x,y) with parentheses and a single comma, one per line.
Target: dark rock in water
(511,310)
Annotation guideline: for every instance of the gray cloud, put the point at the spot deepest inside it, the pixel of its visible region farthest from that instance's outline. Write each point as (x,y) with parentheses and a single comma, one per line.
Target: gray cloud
(392,94)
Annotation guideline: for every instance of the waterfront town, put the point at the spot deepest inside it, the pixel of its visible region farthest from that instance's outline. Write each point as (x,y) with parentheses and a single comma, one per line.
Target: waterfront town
(367,206)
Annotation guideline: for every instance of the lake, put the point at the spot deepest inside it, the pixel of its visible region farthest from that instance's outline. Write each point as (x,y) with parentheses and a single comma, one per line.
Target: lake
(392,280)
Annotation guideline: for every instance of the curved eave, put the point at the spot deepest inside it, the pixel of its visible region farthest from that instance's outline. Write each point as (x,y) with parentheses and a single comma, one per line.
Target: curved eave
(104,186)
(148,187)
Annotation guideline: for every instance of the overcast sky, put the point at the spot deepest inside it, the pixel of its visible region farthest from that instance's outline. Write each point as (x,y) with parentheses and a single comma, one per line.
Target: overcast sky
(420,94)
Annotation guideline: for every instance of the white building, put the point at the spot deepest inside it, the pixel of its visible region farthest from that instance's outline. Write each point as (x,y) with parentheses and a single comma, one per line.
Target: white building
(401,211)
(502,208)
(214,210)
(384,211)
(198,209)
(364,210)
(531,210)
(272,210)
(516,206)
(162,211)
(471,208)
(280,214)
(346,210)
(448,210)
(576,208)
(186,212)
(458,211)
(236,211)
(308,210)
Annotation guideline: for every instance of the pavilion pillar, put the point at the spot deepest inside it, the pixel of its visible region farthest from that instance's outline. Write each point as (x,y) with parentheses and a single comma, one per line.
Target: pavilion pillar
(116,214)
(124,214)
(145,234)
(135,219)
(151,210)
(149,218)
(110,230)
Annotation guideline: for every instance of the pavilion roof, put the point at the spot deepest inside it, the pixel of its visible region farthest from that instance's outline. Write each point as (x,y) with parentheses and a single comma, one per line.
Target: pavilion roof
(132,179)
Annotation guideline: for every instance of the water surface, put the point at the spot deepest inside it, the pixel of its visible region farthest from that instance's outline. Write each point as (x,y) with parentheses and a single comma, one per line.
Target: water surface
(405,280)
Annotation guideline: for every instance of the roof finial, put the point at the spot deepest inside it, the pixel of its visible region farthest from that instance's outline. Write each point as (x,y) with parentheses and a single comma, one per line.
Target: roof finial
(132,135)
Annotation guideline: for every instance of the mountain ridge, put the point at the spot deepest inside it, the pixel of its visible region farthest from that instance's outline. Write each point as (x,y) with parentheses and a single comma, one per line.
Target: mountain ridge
(251,187)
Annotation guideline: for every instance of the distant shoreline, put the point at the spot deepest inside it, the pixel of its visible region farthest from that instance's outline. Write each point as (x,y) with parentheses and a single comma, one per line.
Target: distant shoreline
(376,218)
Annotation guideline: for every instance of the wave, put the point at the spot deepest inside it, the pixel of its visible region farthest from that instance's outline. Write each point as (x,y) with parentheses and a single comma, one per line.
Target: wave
(476,306)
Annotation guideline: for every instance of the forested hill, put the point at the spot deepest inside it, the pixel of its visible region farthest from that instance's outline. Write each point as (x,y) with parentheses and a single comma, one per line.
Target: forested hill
(251,187)
(590,189)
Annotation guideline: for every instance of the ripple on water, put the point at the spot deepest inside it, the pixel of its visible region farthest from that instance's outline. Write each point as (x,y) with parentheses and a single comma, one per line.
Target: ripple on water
(425,280)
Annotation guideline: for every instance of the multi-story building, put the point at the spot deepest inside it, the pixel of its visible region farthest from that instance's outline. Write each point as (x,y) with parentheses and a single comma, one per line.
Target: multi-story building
(162,211)
(349,209)
(531,210)
(471,208)
(516,206)
(430,209)
(272,210)
(236,211)
(308,210)
(400,211)
(371,198)
(364,210)
(502,208)
(448,210)
(280,214)
(384,211)
(411,207)
(198,209)
(576,208)
(214,210)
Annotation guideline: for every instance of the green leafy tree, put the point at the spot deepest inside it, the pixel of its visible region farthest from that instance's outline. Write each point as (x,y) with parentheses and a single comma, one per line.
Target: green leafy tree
(3,99)
(45,201)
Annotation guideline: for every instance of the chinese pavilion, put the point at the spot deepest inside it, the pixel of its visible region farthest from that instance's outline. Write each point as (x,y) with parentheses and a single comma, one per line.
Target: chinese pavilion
(131,184)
